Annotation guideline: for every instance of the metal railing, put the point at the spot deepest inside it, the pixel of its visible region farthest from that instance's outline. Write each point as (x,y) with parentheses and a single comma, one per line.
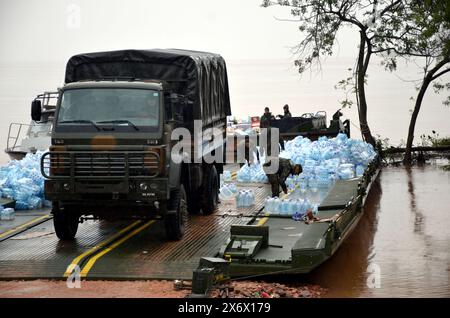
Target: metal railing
(13,136)
(100,164)
(49,100)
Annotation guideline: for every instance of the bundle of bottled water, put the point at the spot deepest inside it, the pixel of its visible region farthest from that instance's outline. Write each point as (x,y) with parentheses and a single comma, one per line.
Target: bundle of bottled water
(6,214)
(226,175)
(289,207)
(22,181)
(228,191)
(253,173)
(245,198)
(328,159)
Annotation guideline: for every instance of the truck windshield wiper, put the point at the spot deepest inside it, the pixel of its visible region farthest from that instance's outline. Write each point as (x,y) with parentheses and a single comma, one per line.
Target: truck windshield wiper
(80,121)
(119,121)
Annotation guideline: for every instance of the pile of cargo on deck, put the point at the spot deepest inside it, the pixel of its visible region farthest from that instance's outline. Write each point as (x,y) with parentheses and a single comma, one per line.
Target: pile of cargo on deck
(252,173)
(22,181)
(328,159)
(323,161)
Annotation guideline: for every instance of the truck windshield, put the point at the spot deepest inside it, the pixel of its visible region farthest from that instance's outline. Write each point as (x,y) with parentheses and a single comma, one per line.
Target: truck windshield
(110,108)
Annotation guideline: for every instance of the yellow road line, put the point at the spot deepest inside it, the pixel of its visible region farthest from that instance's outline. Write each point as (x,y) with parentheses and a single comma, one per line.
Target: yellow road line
(96,247)
(262,221)
(93,259)
(6,233)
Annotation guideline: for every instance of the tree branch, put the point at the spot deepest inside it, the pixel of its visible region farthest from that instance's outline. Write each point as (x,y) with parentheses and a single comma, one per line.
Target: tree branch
(440,73)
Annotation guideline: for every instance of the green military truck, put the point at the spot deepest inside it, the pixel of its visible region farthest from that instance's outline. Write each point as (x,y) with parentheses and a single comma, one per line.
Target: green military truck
(112,150)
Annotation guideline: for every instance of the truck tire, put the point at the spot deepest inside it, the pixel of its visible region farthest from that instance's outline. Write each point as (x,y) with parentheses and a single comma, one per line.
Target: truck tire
(193,201)
(176,222)
(210,190)
(65,222)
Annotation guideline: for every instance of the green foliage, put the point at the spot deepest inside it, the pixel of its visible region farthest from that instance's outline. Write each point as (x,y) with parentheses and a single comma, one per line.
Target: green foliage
(319,21)
(434,140)
(438,86)
(348,85)
(382,144)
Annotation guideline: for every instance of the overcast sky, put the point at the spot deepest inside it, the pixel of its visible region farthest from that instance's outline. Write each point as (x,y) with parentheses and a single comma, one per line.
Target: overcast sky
(53,30)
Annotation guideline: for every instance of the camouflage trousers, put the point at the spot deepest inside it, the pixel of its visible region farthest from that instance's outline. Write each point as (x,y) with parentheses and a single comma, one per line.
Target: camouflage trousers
(279,178)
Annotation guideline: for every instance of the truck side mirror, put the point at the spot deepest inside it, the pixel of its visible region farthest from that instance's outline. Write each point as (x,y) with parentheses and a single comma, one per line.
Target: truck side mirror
(36,110)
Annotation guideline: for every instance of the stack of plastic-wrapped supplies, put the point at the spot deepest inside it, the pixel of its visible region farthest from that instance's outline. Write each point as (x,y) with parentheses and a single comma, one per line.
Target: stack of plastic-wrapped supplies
(22,181)
(328,159)
(323,161)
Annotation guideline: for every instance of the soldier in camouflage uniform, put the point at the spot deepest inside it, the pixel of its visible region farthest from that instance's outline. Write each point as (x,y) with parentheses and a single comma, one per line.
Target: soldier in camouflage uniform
(285,168)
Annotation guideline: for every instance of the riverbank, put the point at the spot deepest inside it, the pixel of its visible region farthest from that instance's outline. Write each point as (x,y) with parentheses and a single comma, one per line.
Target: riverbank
(151,289)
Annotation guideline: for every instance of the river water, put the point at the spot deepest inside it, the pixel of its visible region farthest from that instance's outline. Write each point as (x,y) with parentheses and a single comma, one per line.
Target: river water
(401,246)
(255,84)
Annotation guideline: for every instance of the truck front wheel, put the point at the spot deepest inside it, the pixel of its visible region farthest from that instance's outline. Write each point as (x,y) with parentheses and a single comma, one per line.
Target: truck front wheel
(176,219)
(65,222)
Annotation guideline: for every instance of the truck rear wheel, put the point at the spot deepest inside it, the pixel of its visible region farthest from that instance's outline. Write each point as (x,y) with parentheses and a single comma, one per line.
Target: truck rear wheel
(65,222)
(210,190)
(175,221)
(193,201)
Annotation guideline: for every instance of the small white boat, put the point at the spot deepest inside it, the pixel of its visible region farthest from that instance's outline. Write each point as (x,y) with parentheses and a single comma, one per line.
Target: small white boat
(29,138)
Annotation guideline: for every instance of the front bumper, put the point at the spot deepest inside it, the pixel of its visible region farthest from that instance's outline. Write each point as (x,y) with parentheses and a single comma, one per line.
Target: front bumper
(108,191)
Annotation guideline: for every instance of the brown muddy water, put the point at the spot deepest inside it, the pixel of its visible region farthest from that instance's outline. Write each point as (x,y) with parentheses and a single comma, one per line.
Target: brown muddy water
(401,246)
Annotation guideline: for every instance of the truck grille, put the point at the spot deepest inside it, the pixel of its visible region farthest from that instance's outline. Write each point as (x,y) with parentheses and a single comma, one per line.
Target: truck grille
(94,164)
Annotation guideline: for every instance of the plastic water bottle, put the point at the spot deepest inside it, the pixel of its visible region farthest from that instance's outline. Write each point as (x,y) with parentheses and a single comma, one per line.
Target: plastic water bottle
(276,205)
(226,175)
(233,188)
(313,184)
(315,209)
(268,204)
(252,197)
(20,205)
(285,206)
(245,198)
(225,192)
(238,200)
(221,182)
(359,170)
(8,214)
(292,207)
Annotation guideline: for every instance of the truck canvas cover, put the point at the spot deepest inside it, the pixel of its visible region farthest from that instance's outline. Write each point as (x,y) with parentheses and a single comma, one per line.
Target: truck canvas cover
(201,76)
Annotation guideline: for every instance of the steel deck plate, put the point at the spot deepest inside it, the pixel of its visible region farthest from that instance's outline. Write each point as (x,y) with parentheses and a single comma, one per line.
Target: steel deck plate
(341,193)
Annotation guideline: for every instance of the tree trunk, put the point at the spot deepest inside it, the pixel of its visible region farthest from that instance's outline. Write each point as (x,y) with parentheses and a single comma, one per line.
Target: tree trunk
(363,60)
(412,124)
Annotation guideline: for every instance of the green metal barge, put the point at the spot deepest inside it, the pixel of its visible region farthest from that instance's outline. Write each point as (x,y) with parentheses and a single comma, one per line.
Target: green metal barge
(280,245)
